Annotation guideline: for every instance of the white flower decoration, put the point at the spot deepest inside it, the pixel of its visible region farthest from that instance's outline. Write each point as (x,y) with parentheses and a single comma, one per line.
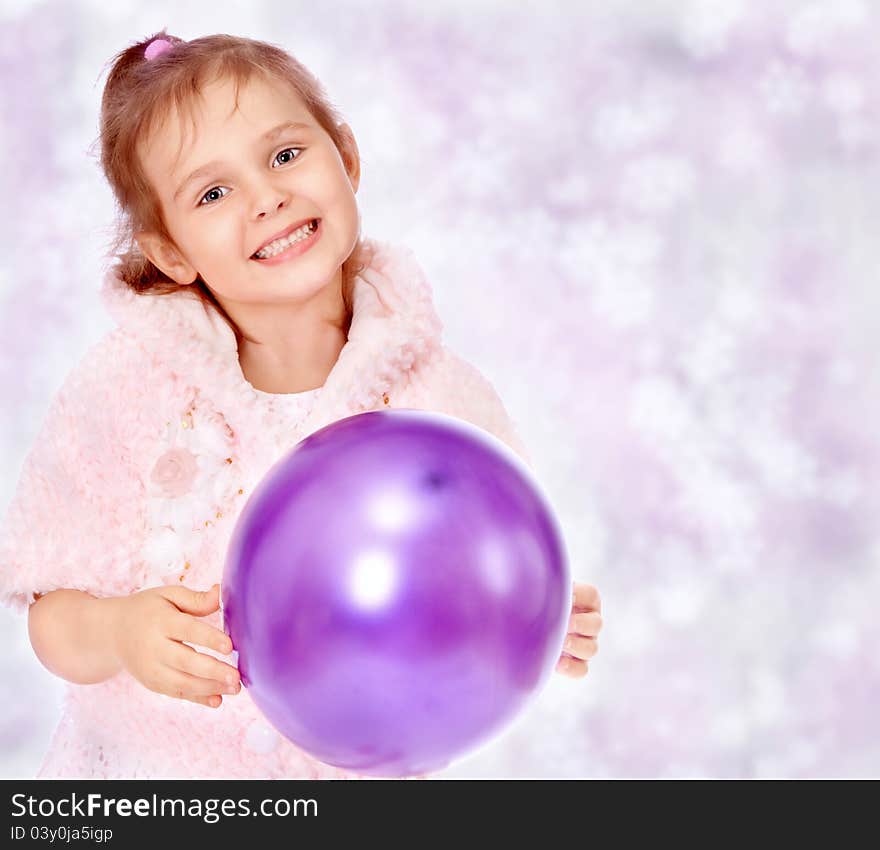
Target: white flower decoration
(186,491)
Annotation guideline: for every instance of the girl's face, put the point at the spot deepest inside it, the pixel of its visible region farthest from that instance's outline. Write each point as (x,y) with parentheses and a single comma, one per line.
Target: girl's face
(254,184)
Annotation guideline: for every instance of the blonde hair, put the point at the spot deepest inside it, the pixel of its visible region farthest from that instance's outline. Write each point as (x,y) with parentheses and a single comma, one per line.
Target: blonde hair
(140,92)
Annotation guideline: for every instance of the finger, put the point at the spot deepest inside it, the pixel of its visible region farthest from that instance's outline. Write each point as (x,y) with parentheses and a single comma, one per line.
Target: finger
(581,647)
(184,686)
(193,630)
(588,625)
(197,602)
(586,597)
(196,663)
(572,667)
(211,701)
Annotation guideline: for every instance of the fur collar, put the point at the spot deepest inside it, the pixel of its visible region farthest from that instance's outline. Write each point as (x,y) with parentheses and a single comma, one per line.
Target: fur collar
(394,325)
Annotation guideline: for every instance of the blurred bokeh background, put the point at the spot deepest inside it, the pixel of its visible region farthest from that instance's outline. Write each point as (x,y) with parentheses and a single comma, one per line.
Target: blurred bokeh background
(654,227)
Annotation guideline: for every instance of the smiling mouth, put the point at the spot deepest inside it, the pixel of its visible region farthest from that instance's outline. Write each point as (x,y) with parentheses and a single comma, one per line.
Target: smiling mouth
(311,227)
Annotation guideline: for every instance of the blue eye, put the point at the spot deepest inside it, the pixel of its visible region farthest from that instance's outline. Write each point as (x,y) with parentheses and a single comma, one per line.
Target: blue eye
(217,188)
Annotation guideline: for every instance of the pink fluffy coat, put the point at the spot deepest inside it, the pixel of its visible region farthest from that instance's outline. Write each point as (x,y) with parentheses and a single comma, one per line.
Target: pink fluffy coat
(148,454)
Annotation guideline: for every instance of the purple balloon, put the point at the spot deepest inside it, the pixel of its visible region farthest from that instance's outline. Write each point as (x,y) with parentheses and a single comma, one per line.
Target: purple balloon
(397,590)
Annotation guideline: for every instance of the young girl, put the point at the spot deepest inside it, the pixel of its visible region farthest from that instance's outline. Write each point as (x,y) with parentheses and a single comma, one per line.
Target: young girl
(250,314)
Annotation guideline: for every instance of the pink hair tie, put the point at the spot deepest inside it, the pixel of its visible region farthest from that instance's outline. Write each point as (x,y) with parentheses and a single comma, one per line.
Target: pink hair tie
(156,48)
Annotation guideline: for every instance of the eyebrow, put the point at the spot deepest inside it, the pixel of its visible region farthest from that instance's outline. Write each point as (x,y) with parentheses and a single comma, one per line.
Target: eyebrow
(208,167)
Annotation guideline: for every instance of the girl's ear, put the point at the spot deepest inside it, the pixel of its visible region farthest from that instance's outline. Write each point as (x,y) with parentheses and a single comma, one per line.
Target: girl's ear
(166,258)
(350,156)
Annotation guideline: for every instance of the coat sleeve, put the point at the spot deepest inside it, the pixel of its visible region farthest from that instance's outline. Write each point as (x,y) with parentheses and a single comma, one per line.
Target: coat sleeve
(75,510)
(448,384)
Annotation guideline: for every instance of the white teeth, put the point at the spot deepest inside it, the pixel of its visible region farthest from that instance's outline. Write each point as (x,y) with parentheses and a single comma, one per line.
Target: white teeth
(279,245)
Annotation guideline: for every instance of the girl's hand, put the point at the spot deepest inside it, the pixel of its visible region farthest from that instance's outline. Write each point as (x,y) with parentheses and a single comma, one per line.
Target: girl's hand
(583,627)
(148,631)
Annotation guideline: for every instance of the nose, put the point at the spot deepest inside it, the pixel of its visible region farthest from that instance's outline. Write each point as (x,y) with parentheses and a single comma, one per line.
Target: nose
(270,200)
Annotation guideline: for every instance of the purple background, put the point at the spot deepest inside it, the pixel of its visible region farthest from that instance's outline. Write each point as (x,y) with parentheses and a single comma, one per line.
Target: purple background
(654,228)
